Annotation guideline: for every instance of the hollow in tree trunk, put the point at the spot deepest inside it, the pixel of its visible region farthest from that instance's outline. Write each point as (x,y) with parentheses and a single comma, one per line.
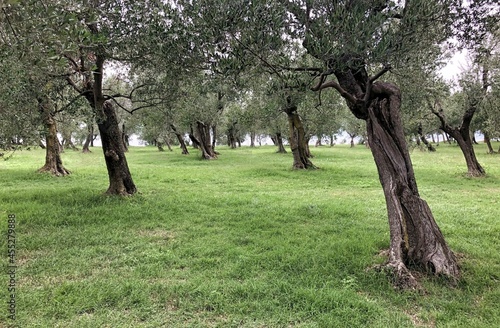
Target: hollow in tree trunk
(297,140)
(120,179)
(53,162)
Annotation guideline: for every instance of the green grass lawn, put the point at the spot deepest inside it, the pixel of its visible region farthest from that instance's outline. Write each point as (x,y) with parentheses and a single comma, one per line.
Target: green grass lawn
(242,241)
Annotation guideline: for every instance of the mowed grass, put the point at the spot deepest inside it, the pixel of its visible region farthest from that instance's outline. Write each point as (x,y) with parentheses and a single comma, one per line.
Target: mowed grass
(242,241)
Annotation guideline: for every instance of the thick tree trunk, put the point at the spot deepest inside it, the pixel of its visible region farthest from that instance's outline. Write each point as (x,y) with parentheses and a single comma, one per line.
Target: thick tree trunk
(180,139)
(120,179)
(53,162)
(416,240)
(203,137)
(279,143)
(159,145)
(474,169)
(297,140)
(487,140)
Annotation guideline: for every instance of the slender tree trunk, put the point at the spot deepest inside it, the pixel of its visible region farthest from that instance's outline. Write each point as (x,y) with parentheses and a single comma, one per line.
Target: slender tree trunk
(487,140)
(53,162)
(279,143)
(159,145)
(180,139)
(332,140)
(124,138)
(41,145)
(214,136)
(167,142)
(352,139)
(203,137)
(194,140)
(463,137)
(88,140)
(252,138)
(297,140)
(231,136)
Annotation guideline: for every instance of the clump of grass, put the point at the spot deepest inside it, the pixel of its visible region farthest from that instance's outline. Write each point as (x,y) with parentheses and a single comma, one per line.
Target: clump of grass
(242,241)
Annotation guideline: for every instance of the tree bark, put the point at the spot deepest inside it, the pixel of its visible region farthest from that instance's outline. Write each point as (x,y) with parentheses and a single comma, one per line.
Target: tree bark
(203,137)
(53,161)
(487,140)
(279,143)
(416,240)
(463,137)
(89,139)
(252,138)
(297,140)
(120,179)
(180,139)
(194,140)
(124,139)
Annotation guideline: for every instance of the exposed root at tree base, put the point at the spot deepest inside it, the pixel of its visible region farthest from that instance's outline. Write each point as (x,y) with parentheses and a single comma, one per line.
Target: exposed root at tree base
(57,172)
(405,279)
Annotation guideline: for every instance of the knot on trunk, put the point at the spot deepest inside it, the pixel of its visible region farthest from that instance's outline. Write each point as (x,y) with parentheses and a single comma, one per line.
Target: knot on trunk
(112,154)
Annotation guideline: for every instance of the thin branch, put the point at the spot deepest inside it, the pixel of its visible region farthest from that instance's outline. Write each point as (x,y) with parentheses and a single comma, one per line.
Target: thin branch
(369,85)
(259,57)
(336,86)
(73,84)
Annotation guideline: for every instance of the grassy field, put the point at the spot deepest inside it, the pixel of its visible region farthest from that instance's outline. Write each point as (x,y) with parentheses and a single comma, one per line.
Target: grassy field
(242,241)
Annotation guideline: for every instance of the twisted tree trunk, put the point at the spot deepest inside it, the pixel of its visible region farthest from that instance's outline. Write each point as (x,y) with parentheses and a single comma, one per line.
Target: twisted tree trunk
(297,140)
(180,139)
(53,161)
(415,239)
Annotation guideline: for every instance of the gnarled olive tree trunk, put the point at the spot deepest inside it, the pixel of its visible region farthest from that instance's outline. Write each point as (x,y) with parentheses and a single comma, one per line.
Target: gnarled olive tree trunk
(53,162)
(298,144)
(180,139)
(415,239)
(204,140)
(278,141)
(120,179)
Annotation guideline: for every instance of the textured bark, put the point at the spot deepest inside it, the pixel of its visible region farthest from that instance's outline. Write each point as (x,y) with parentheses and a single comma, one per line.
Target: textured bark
(53,161)
(120,179)
(416,240)
(298,143)
(462,136)
(231,136)
(203,137)
(124,138)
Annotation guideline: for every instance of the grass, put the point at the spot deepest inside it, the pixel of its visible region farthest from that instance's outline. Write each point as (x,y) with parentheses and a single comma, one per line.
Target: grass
(242,241)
